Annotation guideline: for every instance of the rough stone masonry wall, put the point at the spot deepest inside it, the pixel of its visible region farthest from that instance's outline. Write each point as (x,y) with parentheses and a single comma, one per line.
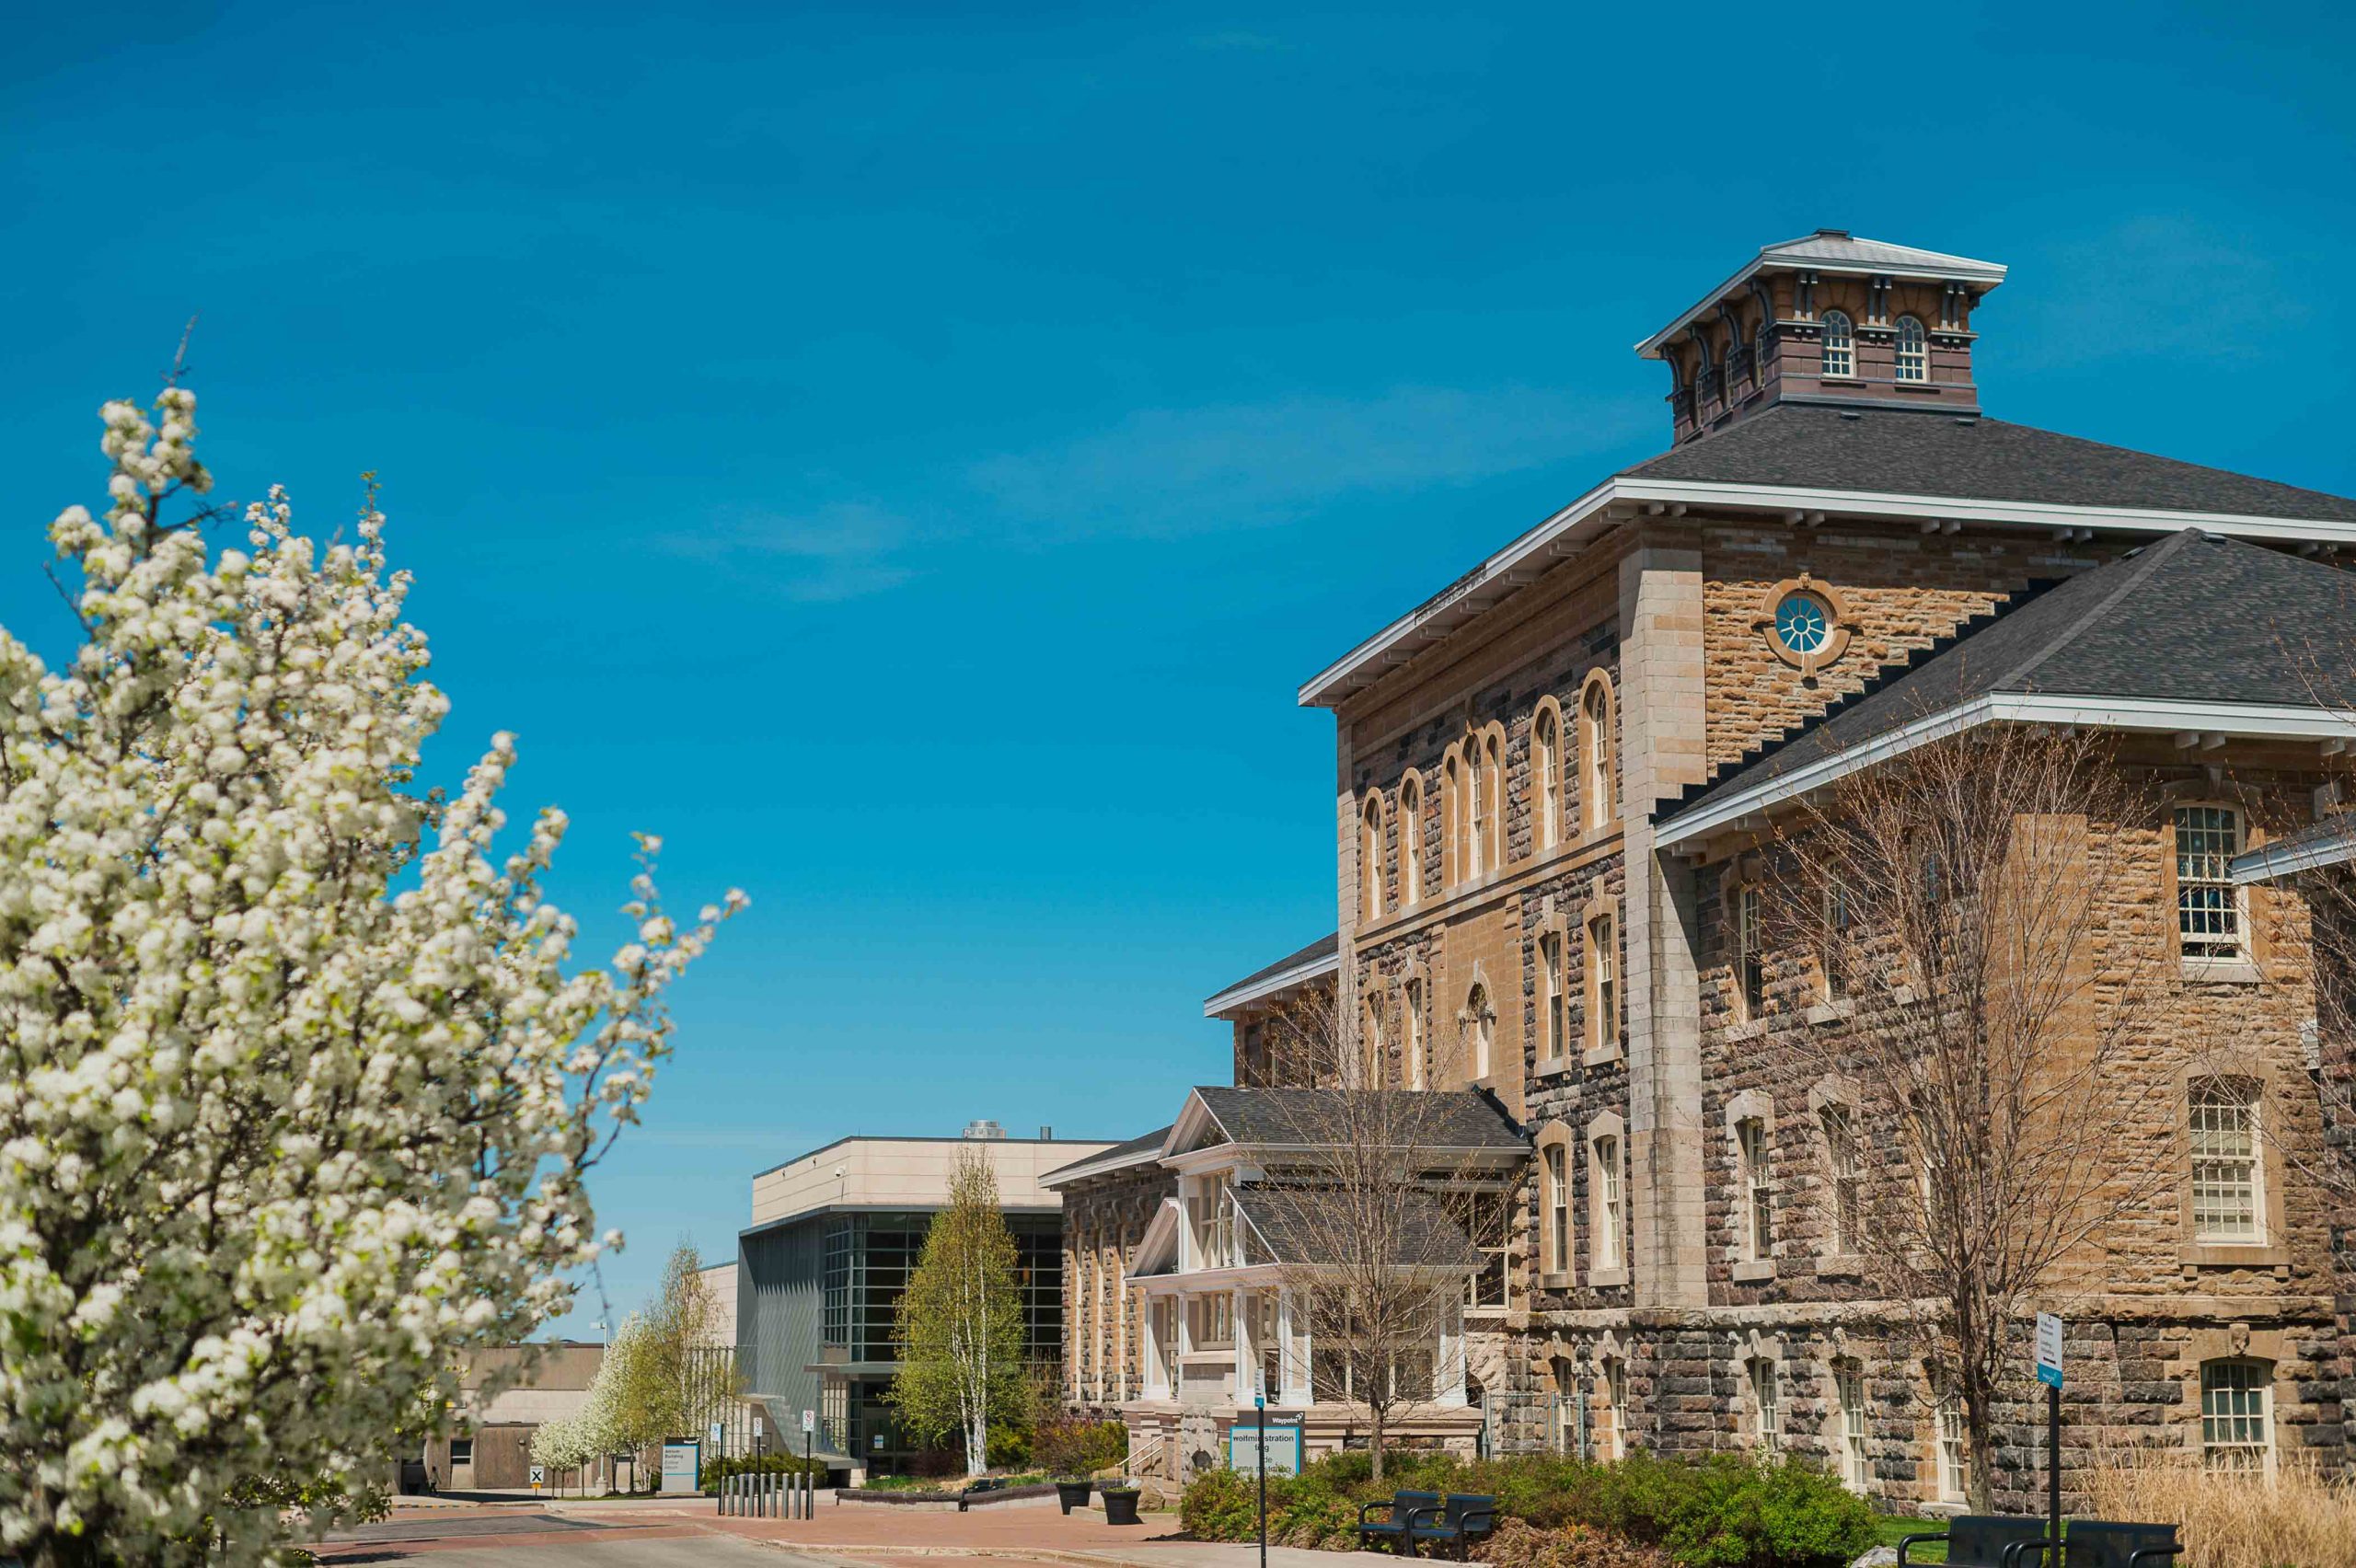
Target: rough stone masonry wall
(2144,1310)
(1898,590)
(1105,1219)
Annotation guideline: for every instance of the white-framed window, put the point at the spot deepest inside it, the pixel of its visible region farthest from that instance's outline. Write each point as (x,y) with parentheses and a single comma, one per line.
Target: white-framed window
(1492,1228)
(2237,1417)
(1612,1424)
(1480,1032)
(1546,776)
(1839,344)
(1554,996)
(1411,1031)
(1767,1404)
(1833,963)
(1603,984)
(1952,1437)
(1758,1199)
(1750,959)
(2228,1195)
(1567,1408)
(1608,1229)
(1411,840)
(1846,1208)
(1455,810)
(462,1451)
(1913,352)
(1371,857)
(1849,1386)
(1558,1209)
(2207,905)
(1595,723)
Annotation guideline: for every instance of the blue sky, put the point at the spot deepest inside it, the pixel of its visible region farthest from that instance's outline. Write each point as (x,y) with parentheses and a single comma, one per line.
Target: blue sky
(909,455)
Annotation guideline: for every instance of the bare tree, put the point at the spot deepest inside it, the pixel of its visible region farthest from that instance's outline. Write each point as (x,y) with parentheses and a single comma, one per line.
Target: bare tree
(1979,909)
(1372,1208)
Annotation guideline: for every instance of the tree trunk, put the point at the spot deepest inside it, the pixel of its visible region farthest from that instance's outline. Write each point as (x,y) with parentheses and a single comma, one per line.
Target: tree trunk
(1981,1485)
(1374,1440)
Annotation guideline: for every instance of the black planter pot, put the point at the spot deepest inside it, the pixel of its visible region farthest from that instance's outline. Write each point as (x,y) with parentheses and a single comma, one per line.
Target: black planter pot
(1120,1505)
(1073,1494)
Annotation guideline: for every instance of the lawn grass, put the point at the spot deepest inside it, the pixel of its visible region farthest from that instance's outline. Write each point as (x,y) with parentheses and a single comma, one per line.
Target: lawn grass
(1896,1527)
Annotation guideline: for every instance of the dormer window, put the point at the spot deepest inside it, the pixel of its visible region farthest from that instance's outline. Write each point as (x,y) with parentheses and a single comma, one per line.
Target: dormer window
(1913,352)
(1839,344)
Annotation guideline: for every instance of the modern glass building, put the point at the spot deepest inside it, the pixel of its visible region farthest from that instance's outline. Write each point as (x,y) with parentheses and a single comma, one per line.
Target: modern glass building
(836,1235)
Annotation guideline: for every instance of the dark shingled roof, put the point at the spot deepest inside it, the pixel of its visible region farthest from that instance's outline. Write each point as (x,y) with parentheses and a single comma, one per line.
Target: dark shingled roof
(1143,1143)
(1451,1119)
(1327,946)
(1296,1228)
(1905,453)
(2108,633)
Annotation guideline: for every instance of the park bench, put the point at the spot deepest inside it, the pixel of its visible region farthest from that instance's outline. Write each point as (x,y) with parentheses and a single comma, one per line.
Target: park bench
(1462,1519)
(1978,1540)
(1404,1506)
(2102,1544)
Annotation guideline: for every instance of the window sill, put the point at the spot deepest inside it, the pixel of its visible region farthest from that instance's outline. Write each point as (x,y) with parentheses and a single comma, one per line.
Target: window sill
(1755,1269)
(1600,1279)
(1827,1012)
(1840,1265)
(1598,1056)
(2222,971)
(1749,1029)
(2234,1255)
(1554,1282)
(1553,1066)
(1931,387)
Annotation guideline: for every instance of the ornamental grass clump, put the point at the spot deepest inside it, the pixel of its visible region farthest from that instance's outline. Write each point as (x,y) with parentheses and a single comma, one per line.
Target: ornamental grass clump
(300,1083)
(2290,1518)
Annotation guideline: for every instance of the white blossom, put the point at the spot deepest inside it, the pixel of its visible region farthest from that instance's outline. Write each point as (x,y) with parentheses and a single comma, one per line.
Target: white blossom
(279,1143)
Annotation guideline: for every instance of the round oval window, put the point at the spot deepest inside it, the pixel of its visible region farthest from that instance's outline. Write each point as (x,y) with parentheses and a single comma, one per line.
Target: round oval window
(1802,623)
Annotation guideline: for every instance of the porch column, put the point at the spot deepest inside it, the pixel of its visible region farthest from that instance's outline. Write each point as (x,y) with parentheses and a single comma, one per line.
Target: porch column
(1447,1370)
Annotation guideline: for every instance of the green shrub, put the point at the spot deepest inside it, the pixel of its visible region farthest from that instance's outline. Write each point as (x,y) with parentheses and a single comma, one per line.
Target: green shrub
(1070,1447)
(1725,1511)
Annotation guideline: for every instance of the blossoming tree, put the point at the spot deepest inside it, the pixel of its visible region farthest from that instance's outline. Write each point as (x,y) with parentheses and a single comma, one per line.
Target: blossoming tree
(297,1089)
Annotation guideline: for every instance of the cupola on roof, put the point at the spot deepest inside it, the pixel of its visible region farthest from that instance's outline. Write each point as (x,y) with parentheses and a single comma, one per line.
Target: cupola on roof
(1828,318)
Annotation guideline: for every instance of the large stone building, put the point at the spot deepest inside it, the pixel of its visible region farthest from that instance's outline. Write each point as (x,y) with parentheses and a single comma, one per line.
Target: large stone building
(1552,782)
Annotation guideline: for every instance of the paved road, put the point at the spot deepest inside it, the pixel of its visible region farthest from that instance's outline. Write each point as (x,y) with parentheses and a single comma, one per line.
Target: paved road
(521,1540)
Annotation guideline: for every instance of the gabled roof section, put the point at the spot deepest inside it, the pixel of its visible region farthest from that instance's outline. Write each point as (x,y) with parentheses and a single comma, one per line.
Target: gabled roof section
(1442,1119)
(1793,462)
(1900,452)
(1290,973)
(1298,1226)
(1838,250)
(1143,1149)
(2092,650)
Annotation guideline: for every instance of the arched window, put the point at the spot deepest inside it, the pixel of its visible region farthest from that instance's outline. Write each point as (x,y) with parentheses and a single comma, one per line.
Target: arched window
(1454,811)
(1480,1032)
(1705,381)
(1371,857)
(1566,1404)
(1410,839)
(1489,817)
(1546,776)
(1611,1414)
(1595,746)
(1839,344)
(1411,1031)
(1913,354)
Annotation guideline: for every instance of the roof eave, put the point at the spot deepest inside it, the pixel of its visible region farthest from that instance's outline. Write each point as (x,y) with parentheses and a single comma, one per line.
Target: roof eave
(1235,998)
(1561,534)
(2274,861)
(1987,274)
(2267,721)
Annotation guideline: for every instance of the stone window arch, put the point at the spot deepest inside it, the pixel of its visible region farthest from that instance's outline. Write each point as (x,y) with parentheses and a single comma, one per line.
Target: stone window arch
(1371,857)
(1598,722)
(1607,1162)
(1477,1022)
(1410,837)
(1549,776)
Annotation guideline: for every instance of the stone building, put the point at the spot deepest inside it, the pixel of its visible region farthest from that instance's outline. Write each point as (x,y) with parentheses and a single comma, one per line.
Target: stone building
(1552,781)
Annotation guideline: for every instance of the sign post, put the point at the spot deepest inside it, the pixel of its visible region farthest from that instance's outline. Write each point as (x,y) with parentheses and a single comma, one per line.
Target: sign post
(1260,1402)
(809,1481)
(2049,1372)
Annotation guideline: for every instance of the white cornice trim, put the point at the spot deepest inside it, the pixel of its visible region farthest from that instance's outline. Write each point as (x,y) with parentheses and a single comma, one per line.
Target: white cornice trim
(1948,268)
(2273,720)
(1237,997)
(2284,858)
(1561,534)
